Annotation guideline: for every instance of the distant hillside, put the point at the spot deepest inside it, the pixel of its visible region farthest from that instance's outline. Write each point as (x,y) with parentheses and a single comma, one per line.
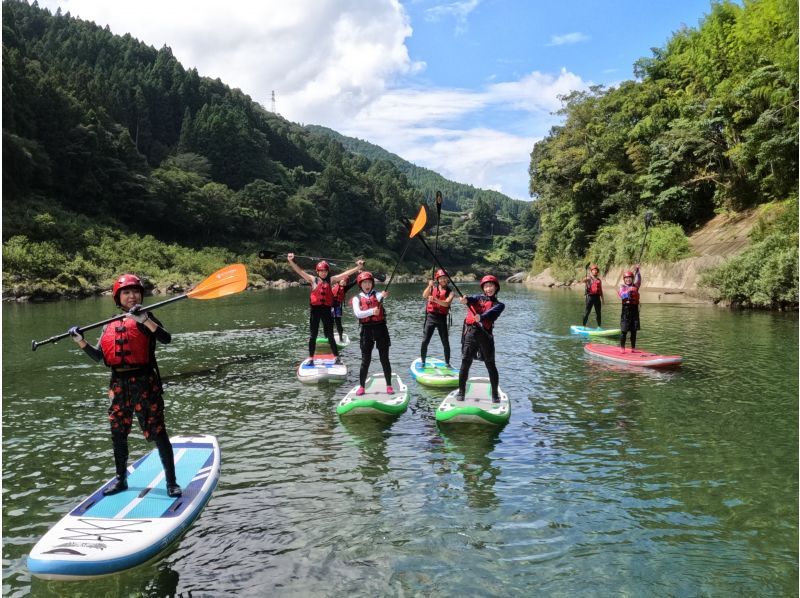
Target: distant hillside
(458,197)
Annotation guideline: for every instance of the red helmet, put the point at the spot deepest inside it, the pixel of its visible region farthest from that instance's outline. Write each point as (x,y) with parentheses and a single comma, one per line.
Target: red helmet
(323,265)
(126,281)
(364,276)
(490,278)
(593,267)
(627,274)
(440,273)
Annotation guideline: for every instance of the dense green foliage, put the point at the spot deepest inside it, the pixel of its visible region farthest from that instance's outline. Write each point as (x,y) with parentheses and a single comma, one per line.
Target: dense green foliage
(107,137)
(765,274)
(711,124)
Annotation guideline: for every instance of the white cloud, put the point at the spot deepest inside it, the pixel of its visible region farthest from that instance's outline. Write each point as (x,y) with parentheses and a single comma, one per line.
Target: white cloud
(568,38)
(337,63)
(460,10)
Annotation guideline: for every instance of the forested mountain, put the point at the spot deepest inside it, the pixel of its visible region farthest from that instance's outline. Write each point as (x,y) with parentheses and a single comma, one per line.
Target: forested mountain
(710,124)
(115,157)
(458,197)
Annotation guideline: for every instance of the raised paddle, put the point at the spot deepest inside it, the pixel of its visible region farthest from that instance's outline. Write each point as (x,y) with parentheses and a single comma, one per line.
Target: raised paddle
(648,216)
(268,255)
(419,224)
(439,200)
(225,281)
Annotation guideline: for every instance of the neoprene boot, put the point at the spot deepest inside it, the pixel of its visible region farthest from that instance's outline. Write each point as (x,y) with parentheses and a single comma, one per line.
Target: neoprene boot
(168,462)
(121,465)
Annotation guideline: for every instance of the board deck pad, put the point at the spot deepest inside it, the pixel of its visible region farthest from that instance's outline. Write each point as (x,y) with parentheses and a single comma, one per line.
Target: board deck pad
(637,357)
(587,331)
(321,340)
(375,400)
(435,373)
(477,406)
(106,534)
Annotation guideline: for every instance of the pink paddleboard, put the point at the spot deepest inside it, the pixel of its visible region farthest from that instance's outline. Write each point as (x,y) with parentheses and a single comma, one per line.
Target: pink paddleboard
(638,357)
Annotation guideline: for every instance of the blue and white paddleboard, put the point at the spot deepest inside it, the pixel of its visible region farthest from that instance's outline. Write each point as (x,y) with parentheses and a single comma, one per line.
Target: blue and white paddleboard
(323,368)
(106,534)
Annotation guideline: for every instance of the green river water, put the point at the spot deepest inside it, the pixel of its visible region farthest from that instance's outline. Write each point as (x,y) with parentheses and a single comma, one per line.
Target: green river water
(606,482)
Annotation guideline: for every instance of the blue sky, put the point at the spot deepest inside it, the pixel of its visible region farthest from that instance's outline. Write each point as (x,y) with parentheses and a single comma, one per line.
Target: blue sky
(462,87)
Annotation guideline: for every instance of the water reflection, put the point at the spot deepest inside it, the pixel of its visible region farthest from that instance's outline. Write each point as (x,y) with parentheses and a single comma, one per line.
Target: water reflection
(468,447)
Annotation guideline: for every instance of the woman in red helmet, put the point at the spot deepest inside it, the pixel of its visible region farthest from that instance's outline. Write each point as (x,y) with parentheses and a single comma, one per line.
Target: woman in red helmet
(368,308)
(594,294)
(477,339)
(128,347)
(339,291)
(322,301)
(437,310)
(629,319)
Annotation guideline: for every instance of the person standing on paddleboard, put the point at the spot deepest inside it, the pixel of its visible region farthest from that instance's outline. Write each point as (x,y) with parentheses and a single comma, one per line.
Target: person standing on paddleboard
(128,347)
(321,302)
(437,310)
(477,339)
(629,319)
(368,308)
(594,294)
(339,291)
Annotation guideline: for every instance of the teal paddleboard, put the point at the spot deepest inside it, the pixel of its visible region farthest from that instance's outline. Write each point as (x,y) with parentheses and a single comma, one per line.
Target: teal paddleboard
(477,406)
(435,373)
(586,331)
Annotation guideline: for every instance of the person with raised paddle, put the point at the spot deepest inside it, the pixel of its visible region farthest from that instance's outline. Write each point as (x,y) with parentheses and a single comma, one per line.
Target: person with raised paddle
(629,318)
(437,309)
(128,347)
(477,338)
(368,308)
(594,294)
(321,302)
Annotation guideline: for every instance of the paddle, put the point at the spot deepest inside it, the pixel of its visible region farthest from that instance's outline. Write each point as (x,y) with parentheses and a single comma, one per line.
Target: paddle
(648,216)
(419,224)
(268,255)
(225,281)
(439,200)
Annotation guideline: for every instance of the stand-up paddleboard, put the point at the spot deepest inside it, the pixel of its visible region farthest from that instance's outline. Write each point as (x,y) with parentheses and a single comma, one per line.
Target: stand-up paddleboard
(322,369)
(375,400)
(586,331)
(629,356)
(345,340)
(106,534)
(477,406)
(435,373)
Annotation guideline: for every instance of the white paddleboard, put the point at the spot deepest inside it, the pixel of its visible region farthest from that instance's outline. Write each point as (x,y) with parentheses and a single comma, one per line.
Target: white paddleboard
(106,534)
(323,368)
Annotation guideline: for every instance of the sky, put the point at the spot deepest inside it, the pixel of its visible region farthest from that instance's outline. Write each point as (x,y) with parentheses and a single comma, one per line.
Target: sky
(463,87)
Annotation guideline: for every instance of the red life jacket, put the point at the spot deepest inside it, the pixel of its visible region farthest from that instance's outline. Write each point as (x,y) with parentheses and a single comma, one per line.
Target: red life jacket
(632,292)
(123,343)
(338,291)
(435,308)
(594,286)
(483,305)
(370,302)
(322,294)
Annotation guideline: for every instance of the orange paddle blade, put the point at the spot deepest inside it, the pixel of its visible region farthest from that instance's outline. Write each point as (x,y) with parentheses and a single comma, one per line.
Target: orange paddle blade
(225,281)
(419,222)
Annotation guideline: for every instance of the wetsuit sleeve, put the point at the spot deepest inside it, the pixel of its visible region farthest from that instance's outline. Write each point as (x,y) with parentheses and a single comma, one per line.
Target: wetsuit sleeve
(161,334)
(637,281)
(349,285)
(94,352)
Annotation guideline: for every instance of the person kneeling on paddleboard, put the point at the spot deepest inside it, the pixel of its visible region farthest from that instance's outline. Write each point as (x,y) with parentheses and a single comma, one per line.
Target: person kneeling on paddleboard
(321,301)
(477,339)
(629,319)
(594,294)
(128,347)
(436,312)
(368,308)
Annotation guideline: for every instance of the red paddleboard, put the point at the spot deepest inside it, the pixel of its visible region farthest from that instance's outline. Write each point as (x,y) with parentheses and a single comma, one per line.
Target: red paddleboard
(638,357)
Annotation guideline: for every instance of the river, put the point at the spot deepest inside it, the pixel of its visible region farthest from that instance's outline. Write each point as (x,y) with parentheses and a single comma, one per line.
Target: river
(606,482)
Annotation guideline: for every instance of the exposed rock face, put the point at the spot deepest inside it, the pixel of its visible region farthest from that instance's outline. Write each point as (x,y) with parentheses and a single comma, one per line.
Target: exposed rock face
(723,237)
